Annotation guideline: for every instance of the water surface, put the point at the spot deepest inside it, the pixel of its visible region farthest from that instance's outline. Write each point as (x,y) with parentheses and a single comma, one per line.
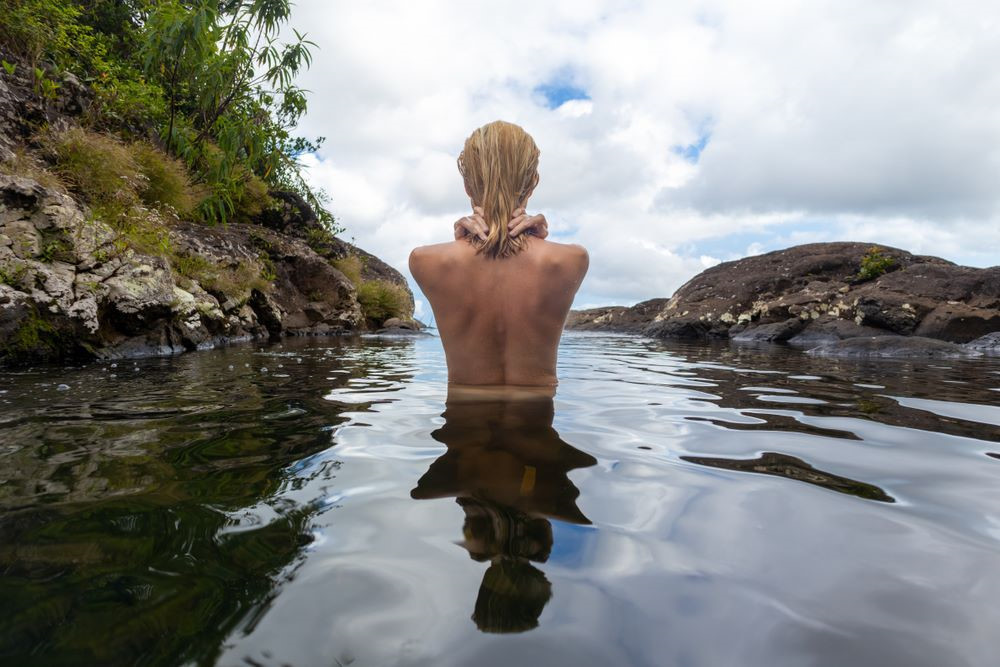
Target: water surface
(319,502)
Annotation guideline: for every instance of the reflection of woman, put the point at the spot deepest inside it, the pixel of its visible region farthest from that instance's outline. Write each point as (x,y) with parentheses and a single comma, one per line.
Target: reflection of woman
(507,468)
(500,295)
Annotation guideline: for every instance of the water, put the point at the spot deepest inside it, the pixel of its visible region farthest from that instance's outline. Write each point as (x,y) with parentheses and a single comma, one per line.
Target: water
(674,505)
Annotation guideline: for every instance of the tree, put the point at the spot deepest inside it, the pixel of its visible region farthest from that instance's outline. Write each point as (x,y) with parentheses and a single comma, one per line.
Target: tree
(232,100)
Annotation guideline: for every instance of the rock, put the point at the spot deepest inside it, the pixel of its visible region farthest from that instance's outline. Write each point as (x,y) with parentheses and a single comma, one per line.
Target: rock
(398,323)
(988,344)
(893,347)
(66,290)
(397,332)
(293,217)
(776,332)
(959,322)
(615,318)
(395,326)
(683,329)
(818,284)
(827,329)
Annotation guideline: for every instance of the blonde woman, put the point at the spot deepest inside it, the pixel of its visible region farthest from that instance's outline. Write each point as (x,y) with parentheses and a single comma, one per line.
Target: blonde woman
(500,292)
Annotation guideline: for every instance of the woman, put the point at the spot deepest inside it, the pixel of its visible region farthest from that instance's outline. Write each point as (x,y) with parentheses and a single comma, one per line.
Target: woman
(501,293)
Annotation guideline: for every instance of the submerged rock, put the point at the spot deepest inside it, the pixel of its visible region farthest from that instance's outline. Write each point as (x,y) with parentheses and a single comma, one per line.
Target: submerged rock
(988,344)
(827,329)
(893,347)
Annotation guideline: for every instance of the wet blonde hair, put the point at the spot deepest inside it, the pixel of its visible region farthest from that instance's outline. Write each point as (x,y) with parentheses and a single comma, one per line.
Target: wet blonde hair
(499,165)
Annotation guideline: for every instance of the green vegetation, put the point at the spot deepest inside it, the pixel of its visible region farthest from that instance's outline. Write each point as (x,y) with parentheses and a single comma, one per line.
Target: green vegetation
(13,274)
(167,183)
(35,338)
(875,263)
(238,279)
(379,299)
(97,166)
(209,82)
(350,266)
(56,247)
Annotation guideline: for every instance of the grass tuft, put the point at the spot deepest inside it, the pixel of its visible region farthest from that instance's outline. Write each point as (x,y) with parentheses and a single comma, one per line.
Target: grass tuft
(166,183)
(99,167)
(350,266)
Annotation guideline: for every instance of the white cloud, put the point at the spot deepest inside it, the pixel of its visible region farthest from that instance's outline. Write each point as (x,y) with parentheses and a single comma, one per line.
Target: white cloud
(836,120)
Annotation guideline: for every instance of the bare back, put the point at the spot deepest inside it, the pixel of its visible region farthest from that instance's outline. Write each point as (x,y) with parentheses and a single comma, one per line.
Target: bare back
(500,320)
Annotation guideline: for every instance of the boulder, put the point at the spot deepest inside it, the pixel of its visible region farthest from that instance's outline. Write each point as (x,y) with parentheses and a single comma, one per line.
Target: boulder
(893,347)
(395,326)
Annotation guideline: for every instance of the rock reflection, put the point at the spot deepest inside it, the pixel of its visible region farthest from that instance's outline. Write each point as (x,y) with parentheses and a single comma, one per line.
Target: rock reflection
(783,465)
(507,468)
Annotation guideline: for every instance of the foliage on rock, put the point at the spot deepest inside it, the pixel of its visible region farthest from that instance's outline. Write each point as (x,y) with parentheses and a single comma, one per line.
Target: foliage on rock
(875,263)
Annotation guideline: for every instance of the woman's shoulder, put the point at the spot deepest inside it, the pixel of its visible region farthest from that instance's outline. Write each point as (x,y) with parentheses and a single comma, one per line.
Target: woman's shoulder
(423,258)
(561,252)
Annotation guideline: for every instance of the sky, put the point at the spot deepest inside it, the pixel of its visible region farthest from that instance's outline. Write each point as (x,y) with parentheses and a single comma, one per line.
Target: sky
(673,135)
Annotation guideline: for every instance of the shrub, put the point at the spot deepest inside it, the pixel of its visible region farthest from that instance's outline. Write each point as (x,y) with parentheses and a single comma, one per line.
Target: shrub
(33,28)
(381,300)
(875,264)
(166,180)
(194,267)
(254,198)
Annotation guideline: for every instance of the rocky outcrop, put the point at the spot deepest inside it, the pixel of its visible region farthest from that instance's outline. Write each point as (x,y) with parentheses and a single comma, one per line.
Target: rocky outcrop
(616,318)
(291,215)
(71,285)
(812,294)
(23,110)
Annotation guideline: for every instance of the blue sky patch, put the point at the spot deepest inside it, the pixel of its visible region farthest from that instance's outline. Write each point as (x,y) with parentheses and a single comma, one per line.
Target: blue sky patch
(692,152)
(557,93)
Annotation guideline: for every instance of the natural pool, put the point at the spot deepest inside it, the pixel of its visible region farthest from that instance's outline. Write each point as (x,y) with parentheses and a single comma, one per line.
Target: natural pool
(314,503)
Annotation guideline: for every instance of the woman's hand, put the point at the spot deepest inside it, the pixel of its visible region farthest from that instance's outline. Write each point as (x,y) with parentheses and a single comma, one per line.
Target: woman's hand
(475,225)
(472,225)
(521,222)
